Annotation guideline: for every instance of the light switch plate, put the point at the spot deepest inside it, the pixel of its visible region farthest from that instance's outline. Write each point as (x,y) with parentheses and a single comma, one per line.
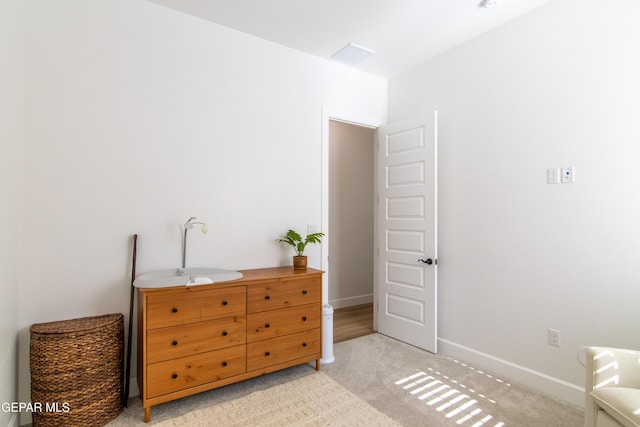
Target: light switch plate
(553,176)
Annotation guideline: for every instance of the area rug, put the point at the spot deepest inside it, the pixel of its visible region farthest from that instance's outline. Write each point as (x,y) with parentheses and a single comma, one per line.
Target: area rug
(313,400)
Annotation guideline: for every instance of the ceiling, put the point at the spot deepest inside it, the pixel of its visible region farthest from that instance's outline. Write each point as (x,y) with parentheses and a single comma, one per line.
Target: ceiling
(403,33)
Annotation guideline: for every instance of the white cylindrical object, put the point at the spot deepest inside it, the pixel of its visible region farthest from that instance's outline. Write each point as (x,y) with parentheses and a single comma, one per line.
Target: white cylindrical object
(327,335)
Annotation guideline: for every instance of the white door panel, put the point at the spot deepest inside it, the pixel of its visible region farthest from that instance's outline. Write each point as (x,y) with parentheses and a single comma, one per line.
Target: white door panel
(407,222)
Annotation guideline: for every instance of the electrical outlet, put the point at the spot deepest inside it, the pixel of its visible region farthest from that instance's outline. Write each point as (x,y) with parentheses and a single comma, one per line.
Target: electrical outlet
(554,337)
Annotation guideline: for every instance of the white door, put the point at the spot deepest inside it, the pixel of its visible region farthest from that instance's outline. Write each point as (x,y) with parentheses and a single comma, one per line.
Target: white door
(407,232)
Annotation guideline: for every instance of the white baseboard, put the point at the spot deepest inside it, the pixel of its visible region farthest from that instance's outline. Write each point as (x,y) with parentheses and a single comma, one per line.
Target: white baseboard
(351,301)
(547,384)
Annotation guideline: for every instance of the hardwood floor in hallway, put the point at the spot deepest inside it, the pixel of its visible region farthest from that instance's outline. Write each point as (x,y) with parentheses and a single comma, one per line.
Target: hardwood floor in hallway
(352,322)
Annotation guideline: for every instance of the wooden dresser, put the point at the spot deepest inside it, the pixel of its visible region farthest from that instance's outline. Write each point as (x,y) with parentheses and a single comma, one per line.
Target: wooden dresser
(196,338)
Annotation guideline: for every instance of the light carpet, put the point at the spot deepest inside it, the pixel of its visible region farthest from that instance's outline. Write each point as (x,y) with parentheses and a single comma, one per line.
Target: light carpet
(417,388)
(313,400)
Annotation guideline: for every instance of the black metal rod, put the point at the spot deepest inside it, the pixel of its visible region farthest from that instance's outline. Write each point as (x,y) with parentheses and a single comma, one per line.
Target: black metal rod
(127,378)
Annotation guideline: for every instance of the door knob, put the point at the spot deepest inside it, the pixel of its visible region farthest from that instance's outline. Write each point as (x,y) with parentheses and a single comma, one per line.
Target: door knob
(428,261)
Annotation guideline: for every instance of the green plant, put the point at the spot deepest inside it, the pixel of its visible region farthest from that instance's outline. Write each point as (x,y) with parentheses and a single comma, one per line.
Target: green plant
(295,240)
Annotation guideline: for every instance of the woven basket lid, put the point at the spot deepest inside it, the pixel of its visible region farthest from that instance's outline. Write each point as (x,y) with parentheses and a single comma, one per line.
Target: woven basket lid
(76,325)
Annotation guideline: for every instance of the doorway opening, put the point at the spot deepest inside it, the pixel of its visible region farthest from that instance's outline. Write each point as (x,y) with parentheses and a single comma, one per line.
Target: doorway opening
(404,232)
(351,211)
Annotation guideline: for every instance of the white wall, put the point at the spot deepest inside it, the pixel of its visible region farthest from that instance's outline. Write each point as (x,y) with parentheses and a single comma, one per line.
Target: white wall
(351,188)
(139,117)
(556,87)
(12,89)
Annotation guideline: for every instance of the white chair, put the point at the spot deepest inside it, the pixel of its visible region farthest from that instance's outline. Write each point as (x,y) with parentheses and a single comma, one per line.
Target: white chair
(612,387)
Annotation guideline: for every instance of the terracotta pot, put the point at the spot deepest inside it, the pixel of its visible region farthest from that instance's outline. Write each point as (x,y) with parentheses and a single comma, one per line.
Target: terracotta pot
(300,262)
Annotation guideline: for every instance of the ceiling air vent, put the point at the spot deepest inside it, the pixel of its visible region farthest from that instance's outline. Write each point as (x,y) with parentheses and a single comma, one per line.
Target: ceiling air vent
(352,54)
(488,3)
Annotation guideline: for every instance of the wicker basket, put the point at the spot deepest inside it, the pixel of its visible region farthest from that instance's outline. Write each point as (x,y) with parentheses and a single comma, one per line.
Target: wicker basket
(77,371)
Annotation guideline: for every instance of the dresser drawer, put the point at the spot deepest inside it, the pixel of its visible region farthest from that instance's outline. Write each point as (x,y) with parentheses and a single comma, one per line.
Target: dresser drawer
(178,374)
(185,340)
(266,296)
(269,324)
(226,302)
(283,349)
(283,293)
(303,290)
(173,309)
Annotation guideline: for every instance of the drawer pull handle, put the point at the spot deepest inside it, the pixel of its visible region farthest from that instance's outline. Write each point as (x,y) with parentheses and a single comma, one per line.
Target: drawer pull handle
(304,292)
(225,333)
(304,318)
(304,344)
(224,363)
(174,376)
(175,343)
(174,310)
(268,297)
(266,353)
(267,325)
(225,302)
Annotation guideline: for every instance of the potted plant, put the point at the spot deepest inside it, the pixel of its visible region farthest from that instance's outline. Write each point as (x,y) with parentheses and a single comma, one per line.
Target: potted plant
(295,240)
